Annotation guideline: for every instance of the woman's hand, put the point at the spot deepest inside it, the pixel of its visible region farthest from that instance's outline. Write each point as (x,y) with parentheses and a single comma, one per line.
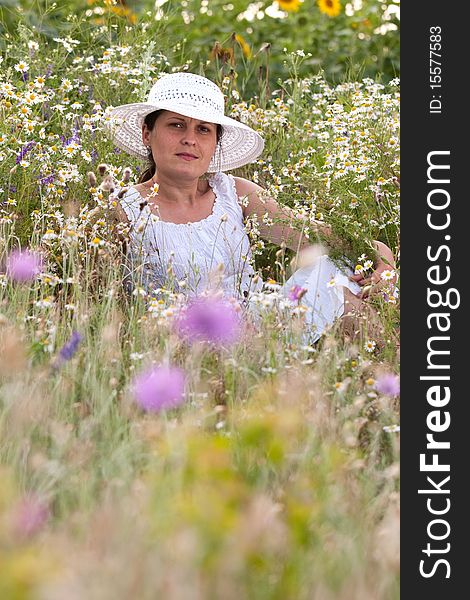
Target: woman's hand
(375,282)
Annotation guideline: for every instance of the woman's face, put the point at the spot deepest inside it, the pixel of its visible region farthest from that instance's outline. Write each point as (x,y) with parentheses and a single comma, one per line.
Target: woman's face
(181,145)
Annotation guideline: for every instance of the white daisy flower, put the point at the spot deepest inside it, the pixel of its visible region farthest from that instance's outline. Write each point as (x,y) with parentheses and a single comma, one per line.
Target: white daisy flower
(272,284)
(49,235)
(21,67)
(96,241)
(45,302)
(332,282)
(387,275)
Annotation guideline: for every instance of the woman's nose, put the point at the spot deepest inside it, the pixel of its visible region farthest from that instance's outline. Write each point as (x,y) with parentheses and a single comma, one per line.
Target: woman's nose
(189,137)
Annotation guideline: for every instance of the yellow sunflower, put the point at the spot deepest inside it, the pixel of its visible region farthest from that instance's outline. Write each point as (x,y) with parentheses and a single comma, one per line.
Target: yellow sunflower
(289,5)
(332,8)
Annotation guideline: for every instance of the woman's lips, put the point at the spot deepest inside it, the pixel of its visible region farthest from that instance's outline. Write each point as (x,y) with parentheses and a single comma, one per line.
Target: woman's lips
(187,156)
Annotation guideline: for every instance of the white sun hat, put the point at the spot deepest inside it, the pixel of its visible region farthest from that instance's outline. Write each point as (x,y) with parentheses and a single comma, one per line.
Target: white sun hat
(192,96)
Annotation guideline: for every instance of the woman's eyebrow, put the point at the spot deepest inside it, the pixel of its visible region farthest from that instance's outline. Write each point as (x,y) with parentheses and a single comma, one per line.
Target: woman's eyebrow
(178,118)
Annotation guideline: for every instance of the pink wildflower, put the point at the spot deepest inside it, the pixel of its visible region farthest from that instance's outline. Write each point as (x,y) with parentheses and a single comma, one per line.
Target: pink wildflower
(23,265)
(159,388)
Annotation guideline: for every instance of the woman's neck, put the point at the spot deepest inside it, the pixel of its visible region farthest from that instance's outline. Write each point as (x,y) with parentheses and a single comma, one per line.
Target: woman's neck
(185,193)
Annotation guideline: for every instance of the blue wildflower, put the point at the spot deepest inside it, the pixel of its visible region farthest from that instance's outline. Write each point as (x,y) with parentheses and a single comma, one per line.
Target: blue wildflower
(69,349)
(23,152)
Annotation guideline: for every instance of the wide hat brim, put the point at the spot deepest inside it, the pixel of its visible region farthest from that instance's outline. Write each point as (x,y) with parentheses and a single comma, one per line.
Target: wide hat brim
(238,146)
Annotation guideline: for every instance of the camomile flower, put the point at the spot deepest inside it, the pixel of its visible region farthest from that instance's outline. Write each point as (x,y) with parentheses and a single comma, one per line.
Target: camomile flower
(45,302)
(31,98)
(332,282)
(22,67)
(358,269)
(271,284)
(39,82)
(342,386)
(153,190)
(368,264)
(369,346)
(49,235)
(66,85)
(71,149)
(387,275)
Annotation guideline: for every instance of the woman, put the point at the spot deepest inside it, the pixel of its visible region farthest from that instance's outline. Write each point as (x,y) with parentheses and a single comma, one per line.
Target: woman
(187,230)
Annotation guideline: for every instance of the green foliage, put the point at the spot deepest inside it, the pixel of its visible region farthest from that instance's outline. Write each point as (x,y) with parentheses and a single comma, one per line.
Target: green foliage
(362,43)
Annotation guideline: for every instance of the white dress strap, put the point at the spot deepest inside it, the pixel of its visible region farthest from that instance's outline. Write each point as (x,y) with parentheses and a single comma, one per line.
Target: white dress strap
(227,194)
(131,203)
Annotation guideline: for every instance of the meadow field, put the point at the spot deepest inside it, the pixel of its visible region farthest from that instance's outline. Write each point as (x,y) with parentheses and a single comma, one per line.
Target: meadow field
(269,467)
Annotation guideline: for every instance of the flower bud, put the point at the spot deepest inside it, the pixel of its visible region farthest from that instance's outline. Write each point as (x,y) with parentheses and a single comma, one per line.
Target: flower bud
(126,174)
(107,185)
(91,179)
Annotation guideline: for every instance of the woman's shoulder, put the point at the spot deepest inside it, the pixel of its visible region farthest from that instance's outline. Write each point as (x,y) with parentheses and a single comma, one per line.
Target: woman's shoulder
(245,187)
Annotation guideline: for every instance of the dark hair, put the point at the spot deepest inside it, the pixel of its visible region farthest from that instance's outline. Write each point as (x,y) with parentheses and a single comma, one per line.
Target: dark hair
(150,120)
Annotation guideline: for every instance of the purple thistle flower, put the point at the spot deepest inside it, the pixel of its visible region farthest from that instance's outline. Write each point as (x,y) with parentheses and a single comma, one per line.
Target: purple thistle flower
(159,388)
(30,516)
(68,350)
(23,265)
(388,384)
(24,151)
(296,292)
(209,319)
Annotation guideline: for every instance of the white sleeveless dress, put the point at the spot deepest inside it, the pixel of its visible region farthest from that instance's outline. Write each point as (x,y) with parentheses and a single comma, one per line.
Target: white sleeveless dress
(214,253)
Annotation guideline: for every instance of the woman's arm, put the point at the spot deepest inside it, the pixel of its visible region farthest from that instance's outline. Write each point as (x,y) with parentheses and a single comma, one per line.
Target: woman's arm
(276,222)
(276,226)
